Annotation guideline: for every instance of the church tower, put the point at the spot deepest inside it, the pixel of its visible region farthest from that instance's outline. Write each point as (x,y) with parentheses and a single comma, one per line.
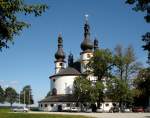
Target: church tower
(86,46)
(59,56)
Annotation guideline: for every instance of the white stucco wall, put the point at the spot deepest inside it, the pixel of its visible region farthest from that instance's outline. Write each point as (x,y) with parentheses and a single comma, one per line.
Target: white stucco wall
(63,84)
(59,66)
(85,57)
(53,106)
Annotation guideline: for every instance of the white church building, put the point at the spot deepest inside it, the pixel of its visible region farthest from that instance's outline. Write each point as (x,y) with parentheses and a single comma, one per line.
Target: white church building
(64,76)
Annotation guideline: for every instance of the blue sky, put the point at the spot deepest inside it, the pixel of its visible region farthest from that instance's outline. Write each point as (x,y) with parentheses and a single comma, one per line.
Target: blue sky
(30,61)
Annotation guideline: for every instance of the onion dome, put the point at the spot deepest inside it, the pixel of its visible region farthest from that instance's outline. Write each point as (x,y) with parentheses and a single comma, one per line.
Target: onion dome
(95,44)
(86,44)
(60,55)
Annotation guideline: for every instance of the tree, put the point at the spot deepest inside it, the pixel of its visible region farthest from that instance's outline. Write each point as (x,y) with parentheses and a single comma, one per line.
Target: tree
(146,47)
(26,95)
(100,65)
(118,91)
(10,25)
(143,6)
(11,95)
(119,61)
(2,95)
(125,62)
(81,89)
(85,91)
(142,85)
(48,94)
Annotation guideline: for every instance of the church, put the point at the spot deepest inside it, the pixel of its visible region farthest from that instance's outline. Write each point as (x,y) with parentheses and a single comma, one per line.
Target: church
(65,74)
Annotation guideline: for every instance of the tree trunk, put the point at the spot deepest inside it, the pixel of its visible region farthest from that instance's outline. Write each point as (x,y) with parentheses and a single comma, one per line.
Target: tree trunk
(11,105)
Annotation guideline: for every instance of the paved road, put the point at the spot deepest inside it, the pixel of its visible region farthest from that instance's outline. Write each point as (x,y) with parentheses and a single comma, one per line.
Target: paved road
(103,115)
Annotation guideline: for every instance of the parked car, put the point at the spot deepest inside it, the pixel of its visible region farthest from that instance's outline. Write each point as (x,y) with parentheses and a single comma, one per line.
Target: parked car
(126,110)
(20,109)
(147,109)
(66,109)
(138,109)
(114,109)
(88,110)
(74,109)
(100,110)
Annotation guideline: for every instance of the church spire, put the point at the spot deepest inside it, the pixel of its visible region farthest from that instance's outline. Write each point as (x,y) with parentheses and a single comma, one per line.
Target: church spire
(95,44)
(86,44)
(60,55)
(70,60)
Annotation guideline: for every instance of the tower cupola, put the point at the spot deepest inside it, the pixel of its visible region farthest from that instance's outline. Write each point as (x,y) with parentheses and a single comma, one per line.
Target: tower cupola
(86,44)
(70,60)
(60,55)
(95,44)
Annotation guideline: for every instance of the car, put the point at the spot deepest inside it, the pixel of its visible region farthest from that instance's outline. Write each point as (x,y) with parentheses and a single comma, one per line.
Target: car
(74,109)
(126,110)
(114,109)
(66,109)
(20,109)
(100,110)
(147,109)
(138,109)
(88,111)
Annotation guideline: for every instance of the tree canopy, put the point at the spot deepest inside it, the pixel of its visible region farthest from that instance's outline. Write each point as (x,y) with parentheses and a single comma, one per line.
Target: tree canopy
(142,85)
(101,63)
(26,95)
(143,6)
(86,91)
(2,95)
(118,91)
(10,24)
(11,95)
(126,65)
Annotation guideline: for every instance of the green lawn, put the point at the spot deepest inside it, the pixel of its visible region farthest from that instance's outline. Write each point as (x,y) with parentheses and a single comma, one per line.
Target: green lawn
(5,113)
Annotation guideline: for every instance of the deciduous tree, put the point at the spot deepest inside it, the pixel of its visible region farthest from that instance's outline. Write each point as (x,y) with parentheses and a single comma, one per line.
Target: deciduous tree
(2,95)
(26,96)
(10,24)
(142,85)
(143,6)
(100,65)
(118,91)
(125,62)
(11,95)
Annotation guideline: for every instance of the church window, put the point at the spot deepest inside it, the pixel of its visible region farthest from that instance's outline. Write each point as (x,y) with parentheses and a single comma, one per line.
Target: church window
(52,105)
(106,105)
(41,105)
(45,105)
(88,55)
(61,64)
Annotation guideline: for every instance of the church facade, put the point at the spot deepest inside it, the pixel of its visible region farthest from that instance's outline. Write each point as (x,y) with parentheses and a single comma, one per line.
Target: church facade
(62,81)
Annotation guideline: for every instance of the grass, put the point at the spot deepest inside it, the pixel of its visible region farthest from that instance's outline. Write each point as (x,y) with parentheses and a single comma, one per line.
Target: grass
(5,113)
(4,110)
